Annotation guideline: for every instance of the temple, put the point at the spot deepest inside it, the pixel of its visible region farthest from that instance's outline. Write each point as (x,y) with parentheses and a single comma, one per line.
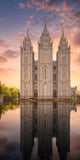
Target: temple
(45,78)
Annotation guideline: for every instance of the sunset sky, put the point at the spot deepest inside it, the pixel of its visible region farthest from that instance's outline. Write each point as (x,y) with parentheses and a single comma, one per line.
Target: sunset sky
(17,15)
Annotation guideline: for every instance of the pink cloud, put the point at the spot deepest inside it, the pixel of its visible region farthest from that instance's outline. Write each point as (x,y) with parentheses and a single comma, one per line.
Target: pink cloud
(8,54)
(20,33)
(18,38)
(62,21)
(4,44)
(43,5)
(22,5)
(7,70)
(65,6)
(31,17)
(28,4)
(67,17)
(11,54)
(35,2)
(76,39)
(31,21)
(3,60)
(47,7)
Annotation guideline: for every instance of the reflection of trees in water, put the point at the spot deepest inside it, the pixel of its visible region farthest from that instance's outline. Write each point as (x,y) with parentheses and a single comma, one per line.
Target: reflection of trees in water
(45,121)
(5,108)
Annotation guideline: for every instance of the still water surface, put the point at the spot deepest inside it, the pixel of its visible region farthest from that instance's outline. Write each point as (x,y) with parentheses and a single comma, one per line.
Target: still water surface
(40,131)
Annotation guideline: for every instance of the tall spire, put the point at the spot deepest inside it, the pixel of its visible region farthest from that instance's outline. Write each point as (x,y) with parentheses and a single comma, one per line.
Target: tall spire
(27,32)
(62,32)
(45,25)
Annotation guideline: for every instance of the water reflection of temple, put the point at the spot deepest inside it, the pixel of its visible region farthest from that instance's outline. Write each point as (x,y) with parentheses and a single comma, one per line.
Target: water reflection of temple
(40,122)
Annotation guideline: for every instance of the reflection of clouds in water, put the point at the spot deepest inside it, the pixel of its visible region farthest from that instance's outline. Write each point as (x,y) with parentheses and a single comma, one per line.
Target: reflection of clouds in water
(9,144)
(11,152)
(75,146)
(11,147)
(3,139)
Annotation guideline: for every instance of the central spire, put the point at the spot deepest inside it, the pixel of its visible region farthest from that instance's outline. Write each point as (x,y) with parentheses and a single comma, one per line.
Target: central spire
(62,32)
(45,25)
(28,32)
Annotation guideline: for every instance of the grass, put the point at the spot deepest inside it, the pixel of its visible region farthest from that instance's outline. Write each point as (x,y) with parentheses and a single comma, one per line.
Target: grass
(32,100)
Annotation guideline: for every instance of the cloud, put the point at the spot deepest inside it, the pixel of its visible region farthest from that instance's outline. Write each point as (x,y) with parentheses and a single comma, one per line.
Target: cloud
(35,2)
(21,5)
(77,39)
(18,38)
(68,17)
(47,7)
(4,44)
(31,21)
(3,59)
(28,4)
(8,54)
(11,54)
(51,2)
(20,33)
(65,6)
(7,70)
(62,21)
(44,5)
(31,17)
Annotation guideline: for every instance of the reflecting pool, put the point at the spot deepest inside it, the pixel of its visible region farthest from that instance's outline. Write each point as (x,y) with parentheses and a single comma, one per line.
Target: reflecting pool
(40,131)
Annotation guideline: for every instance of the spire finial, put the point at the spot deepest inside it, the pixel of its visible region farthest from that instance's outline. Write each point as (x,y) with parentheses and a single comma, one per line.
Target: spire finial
(45,25)
(45,19)
(27,32)
(62,31)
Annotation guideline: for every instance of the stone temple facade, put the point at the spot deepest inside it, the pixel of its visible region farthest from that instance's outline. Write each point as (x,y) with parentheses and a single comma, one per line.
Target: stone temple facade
(46,78)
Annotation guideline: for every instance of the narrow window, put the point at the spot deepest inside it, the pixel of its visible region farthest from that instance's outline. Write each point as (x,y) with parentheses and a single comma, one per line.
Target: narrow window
(54,77)
(35,68)
(54,68)
(35,76)
(45,73)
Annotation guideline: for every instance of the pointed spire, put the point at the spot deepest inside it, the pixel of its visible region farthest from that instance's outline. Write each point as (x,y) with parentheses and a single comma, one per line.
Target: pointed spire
(62,32)
(45,25)
(28,32)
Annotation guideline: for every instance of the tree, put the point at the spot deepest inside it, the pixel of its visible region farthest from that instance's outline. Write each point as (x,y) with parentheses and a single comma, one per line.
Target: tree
(12,92)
